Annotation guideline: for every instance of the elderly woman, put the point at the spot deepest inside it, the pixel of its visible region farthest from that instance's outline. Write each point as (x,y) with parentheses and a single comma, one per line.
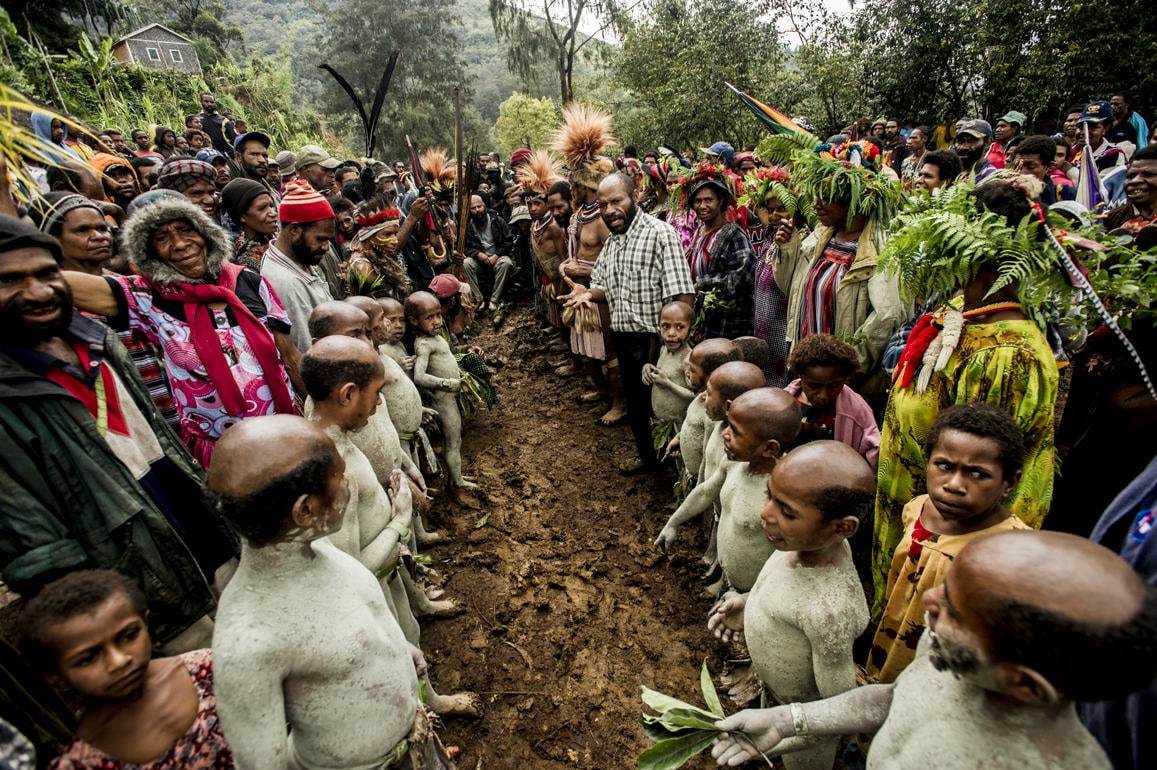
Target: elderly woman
(253,216)
(86,245)
(219,326)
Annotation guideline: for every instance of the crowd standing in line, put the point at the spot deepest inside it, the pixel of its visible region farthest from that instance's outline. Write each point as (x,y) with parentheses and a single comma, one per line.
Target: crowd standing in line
(232,373)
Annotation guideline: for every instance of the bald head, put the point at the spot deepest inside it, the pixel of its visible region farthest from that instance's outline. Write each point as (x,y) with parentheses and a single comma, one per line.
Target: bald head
(421,302)
(771,413)
(1070,609)
(367,305)
(735,378)
(336,360)
(338,317)
(833,476)
(389,304)
(1055,572)
(262,466)
(713,353)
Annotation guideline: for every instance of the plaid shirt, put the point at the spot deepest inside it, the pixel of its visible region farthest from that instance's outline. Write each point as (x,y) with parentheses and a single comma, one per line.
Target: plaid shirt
(640,271)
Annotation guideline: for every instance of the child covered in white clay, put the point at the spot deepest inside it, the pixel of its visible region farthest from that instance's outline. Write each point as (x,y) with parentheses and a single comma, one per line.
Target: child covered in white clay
(670,393)
(394,318)
(760,422)
(1025,625)
(807,606)
(344,377)
(88,634)
(703,359)
(347,691)
(436,372)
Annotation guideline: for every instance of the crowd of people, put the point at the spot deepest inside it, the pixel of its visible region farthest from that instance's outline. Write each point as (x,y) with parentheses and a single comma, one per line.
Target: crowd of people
(234,384)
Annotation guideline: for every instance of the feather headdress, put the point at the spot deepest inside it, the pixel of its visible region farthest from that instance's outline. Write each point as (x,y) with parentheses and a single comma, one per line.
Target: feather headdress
(439,168)
(584,134)
(538,173)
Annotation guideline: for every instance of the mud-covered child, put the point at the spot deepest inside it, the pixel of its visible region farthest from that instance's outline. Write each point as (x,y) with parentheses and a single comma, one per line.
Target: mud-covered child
(702,360)
(88,633)
(670,392)
(975,453)
(760,422)
(436,372)
(807,606)
(344,377)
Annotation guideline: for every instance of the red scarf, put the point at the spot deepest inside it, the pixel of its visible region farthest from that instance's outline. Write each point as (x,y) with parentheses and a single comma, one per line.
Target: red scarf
(87,394)
(203,333)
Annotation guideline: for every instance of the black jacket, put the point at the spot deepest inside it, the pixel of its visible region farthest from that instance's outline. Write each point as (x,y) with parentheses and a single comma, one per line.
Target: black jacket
(503,240)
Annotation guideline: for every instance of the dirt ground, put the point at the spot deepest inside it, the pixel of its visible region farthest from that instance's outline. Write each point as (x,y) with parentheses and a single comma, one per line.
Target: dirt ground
(568,607)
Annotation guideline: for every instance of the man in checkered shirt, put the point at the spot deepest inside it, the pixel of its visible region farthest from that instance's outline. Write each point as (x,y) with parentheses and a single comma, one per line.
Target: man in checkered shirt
(640,269)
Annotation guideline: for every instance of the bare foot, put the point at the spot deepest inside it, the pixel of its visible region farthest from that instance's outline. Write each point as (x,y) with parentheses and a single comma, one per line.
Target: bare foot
(465,483)
(461,704)
(429,538)
(590,397)
(616,416)
(426,607)
(565,371)
(433,593)
(715,589)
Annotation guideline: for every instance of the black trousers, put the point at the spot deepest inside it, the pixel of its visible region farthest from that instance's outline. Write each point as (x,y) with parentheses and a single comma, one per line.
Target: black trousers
(635,349)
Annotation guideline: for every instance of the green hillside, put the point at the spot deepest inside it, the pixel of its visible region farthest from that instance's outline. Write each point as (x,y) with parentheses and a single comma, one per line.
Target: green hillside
(285,27)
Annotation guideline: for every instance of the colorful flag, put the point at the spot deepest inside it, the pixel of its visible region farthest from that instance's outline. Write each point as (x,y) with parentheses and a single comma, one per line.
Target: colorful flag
(776,121)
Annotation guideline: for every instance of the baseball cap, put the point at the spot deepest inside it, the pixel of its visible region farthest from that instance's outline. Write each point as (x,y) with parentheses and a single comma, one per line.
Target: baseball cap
(286,162)
(256,136)
(385,173)
(1096,112)
(1012,116)
(978,128)
(520,214)
(310,154)
(444,286)
(722,149)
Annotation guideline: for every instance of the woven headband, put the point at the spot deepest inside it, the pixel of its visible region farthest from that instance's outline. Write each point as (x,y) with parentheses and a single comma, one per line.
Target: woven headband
(61,208)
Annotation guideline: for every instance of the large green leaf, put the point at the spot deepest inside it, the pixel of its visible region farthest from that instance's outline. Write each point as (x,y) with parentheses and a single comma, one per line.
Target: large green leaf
(673,753)
(675,719)
(710,697)
(664,703)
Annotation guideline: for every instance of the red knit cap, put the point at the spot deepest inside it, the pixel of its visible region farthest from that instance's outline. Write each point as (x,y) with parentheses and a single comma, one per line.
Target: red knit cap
(302,204)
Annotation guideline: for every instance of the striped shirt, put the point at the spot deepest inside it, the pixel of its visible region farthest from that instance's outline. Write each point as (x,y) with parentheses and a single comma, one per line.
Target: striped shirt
(818,314)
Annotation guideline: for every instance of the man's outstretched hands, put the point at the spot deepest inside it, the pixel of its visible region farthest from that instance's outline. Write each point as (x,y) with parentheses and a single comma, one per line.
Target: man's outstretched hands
(726,618)
(747,733)
(666,538)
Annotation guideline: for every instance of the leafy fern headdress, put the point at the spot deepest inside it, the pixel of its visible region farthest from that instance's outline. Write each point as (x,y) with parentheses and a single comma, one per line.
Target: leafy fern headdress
(821,176)
(939,243)
(704,173)
(763,184)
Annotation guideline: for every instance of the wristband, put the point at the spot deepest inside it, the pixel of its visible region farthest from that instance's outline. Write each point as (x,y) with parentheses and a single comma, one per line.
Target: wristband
(798,720)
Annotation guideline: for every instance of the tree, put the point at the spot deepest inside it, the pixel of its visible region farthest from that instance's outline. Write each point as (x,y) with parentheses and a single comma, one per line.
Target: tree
(535,30)
(675,63)
(357,41)
(524,121)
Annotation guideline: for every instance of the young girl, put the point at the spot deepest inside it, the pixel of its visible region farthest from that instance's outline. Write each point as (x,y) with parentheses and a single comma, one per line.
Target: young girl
(823,365)
(88,633)
(670,392)
(975,453)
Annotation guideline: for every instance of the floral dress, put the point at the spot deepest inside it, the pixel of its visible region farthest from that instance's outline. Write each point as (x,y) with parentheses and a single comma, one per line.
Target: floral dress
(202,415)
(203,747)
(1004,363)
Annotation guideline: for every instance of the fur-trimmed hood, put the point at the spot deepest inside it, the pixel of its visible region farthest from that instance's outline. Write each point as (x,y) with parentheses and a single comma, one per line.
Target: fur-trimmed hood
(141,225)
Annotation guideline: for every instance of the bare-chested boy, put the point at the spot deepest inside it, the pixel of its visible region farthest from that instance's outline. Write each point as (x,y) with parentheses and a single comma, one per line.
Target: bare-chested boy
(760,423)
(807,606)
(344,377)
(670,393)
(394,318)
(436,371)
(1025,624)
(347,691)
(703,360)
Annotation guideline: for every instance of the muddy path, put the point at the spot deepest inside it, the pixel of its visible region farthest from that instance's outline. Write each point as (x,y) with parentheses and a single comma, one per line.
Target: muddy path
(568,607)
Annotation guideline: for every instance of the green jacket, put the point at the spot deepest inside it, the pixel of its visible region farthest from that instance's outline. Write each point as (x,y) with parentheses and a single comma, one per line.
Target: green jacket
(68,503)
